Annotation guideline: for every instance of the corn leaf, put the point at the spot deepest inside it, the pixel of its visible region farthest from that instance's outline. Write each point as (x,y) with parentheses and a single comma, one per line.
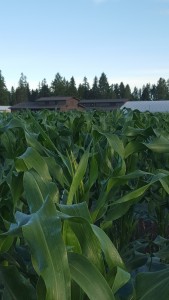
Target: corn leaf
(31,159)
(15,284)
(86,275)
(49,256)
(153,285)
(78,176)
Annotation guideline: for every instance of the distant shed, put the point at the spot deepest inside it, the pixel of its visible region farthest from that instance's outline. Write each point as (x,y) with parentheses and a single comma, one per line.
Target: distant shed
(151,106)
(50,103)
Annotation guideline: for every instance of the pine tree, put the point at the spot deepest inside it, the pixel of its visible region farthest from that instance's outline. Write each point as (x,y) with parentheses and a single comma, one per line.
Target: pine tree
(34,94)
(122,90)
(22,91)
(146,92)
(167,84)
(84,89)
(153,92)
(162,89)
(44,90)
(72,91)
(59,86)
(104,88)
(13,96)
(4,94)
(135,94)
(127,92)
(116,91)
(112,92)
(95,94)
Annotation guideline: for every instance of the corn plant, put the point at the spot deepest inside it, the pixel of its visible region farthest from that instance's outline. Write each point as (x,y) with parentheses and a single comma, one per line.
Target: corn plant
(70,186)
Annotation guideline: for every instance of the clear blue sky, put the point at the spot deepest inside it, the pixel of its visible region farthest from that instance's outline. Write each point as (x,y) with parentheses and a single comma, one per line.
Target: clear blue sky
(128,40)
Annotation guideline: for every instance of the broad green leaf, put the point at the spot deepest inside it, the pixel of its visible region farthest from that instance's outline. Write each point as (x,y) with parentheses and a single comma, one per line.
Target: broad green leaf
(41,289)
(159,145)
(121,180)
(76,291)
(16,187)
(100,203)
(32,142)
(56,171)
(31,159)
(165,183)
(163,253)
(42,132)
(121,278)
(70,238)
(153,285)
(87,276)
(13,123)
(49,256)
(17,286)
(115,143)
(93,173)
(5,243)
(133,147)
(35,190)
(15,229)
(79,220)
(76,210)
(111,254)
(121,206)
(79,174)
(36,196)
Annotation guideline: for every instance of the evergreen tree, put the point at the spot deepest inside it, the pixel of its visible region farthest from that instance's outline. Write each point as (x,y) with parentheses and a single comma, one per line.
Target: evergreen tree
(122,90)
(13,96)
(59,86)
(104,88)
(146,92)
(154,92)
(167,84)
(4,94)
(80,91)
(84,89)
(34,94)
(95,94)
(44,90)
(66,87)
(127,92)
(162,90)
(22,91)
(72,91)
(112,92)
(117,91)
(135,94)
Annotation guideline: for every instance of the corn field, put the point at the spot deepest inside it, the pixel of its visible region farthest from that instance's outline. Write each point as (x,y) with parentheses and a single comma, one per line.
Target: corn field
(84,206)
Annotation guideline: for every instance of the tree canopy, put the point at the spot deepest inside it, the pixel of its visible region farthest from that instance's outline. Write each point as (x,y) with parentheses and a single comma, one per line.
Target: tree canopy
(100,89)
(4,94)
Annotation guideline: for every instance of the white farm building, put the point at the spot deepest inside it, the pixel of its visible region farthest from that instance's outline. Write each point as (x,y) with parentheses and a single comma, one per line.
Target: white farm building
(151,106)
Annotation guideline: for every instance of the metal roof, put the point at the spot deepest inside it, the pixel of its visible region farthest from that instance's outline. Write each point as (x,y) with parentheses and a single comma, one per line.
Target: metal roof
(151,106)
(4,108)
(103,100)
(55,98)
(31,105)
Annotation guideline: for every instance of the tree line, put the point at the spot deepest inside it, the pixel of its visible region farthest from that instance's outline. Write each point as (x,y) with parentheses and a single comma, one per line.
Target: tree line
(100,89)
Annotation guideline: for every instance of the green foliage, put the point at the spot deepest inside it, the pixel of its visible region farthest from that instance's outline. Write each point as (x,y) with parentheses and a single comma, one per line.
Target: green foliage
(4,94)
(77,194)
(101,89)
